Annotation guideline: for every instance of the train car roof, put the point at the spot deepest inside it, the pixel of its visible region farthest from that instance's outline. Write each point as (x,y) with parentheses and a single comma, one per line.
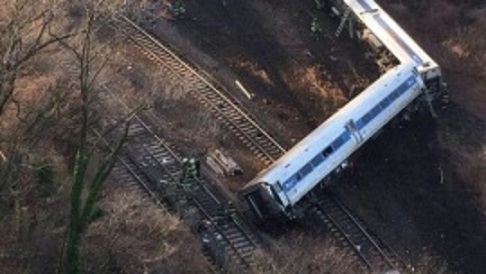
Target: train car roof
(398,42)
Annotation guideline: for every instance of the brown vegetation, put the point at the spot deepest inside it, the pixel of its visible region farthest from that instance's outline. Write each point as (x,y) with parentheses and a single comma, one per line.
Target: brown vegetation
(136,235)
(39,120)
(48,91)
(465,145)
(460,48)
(323,94)
(296,253)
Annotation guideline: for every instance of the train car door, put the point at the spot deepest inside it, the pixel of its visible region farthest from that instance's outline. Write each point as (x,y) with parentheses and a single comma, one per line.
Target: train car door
(353,130)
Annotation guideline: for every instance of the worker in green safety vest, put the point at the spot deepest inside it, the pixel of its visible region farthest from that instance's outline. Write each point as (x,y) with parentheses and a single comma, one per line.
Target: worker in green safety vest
(190,171)
(228,211)
(178,8)
(315,28)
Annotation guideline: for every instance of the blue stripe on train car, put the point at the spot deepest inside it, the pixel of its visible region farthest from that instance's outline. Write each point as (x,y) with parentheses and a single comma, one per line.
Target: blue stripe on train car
(344,137)
(385,103)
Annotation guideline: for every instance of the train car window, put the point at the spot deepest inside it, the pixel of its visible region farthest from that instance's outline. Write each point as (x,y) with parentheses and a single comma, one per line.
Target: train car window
(360,124)
(291,182)
(393,96)
(398,91)
(401,90)
(345,136)
(297,176)
(385,103)
(305,170)
(336,144)
(316,161)
(375,111)
(366,119)
(327,151)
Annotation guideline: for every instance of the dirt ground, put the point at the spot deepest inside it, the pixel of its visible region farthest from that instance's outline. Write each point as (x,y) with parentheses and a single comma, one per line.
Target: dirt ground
(420,186)
(460,47)
(281,63)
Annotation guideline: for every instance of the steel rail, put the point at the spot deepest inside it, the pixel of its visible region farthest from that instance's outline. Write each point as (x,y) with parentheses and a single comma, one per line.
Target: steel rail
(130,170)
(343,233)
(139,143)
(365,233)
(245,127)
(205,211)
(383,248)
(370,249)
(224,107)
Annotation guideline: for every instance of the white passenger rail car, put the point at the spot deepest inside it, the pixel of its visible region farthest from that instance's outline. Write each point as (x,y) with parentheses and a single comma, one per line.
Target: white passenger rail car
(277,189)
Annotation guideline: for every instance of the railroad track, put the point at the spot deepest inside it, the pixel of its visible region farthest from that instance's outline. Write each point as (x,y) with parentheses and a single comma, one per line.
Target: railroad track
(370,250)
(149,161)
(353,233)
(226,109)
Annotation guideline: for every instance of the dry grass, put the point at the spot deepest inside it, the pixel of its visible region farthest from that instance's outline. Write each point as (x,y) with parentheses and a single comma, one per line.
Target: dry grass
(459,47)
(467,155)
(311,78)
(297,253)
(321,93)
(127,77)
(251,67)
(465,59)
(454,35)
(126,74)
(303,254)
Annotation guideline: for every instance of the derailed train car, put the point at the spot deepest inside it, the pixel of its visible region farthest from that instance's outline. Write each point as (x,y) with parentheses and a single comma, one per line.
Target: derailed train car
(277,189)
(368,22)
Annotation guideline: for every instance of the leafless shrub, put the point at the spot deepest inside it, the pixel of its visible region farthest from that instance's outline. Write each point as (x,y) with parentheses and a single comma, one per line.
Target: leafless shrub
(41,108)
(143,235)
(302,254)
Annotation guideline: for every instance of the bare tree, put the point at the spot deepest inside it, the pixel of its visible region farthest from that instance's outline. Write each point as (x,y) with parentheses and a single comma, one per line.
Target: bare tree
(24,32)
(85,191)
(86,186)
